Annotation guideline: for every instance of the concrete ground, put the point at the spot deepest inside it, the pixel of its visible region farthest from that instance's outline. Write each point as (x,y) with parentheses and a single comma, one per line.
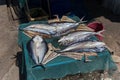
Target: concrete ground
(8,46)
(8,37)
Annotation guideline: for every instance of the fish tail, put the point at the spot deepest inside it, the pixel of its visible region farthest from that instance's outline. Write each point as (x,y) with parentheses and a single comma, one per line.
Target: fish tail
(57,16)
(42,65)
(99,33)
(81,20)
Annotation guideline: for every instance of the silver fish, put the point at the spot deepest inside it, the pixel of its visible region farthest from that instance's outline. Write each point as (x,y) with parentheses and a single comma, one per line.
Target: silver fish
(50,29)
(53,29)
(65,27)
(78,36)
(67,24)
(37,48)
(88,46)
(41,28)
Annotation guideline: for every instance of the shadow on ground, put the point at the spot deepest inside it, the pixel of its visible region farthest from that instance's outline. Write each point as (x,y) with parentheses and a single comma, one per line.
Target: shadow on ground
(21,65)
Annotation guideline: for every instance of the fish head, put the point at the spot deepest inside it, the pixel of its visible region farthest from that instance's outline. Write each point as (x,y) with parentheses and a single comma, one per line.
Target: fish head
(38,38)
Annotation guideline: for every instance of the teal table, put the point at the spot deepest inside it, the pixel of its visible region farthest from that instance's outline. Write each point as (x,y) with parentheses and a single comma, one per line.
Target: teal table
(60,66)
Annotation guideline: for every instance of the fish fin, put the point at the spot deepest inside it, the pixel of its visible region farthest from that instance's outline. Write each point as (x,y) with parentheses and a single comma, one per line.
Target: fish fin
(42,65)
(81,20)
(86,58)
(66,18)
(99,33)
(56,17)
(58,51)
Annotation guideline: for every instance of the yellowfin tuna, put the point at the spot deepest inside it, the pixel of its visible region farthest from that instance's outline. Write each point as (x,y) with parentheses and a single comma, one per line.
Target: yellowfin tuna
(37,48)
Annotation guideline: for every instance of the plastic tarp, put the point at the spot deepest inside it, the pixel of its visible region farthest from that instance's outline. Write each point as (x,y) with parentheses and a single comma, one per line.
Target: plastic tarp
(60,66)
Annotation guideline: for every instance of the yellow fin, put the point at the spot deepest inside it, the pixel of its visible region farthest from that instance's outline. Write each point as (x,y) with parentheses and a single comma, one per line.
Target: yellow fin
(54,20)
(65,18)
(83,27)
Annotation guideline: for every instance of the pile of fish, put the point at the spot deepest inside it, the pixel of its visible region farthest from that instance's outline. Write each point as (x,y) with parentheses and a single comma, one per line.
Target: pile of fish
(77,43)
(80,41)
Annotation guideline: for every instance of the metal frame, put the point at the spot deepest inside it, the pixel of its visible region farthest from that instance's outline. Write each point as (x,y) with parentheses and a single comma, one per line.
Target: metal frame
(27,11)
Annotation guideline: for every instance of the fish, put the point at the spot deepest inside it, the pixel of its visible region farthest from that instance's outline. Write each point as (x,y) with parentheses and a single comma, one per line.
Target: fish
(78,36)
(67,23)
(50,54)
(56,19)
(66,27)
(88,46)
(41,28)
(54,29)
(37,48)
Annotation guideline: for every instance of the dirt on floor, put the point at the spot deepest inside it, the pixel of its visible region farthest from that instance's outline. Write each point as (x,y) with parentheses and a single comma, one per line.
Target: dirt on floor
(8,36)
